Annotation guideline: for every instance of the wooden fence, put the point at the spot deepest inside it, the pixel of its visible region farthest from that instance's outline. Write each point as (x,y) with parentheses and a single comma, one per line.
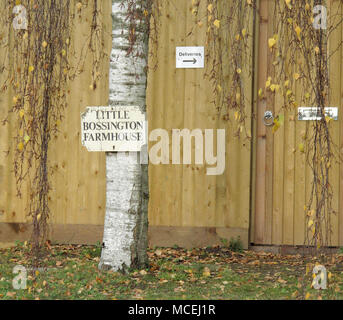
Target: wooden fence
(261,195)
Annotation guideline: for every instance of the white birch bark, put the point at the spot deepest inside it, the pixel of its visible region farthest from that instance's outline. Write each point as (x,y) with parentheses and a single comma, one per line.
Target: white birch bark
(126,220)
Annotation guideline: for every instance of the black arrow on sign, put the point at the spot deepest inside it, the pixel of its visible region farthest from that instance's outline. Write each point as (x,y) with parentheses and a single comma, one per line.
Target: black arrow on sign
(194,61)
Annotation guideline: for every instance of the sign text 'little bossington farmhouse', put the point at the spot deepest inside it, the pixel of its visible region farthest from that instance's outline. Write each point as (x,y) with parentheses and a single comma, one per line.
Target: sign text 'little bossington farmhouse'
(112,129)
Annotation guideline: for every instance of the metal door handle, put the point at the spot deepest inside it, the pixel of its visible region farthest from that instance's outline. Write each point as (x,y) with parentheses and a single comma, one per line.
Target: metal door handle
(268,118)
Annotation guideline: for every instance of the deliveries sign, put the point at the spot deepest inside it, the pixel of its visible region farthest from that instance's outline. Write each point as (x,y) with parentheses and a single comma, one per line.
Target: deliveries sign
(112,129)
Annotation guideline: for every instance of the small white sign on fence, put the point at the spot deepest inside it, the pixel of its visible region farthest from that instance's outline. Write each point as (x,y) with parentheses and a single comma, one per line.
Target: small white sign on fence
(313,113)
(190,57)
(112,129)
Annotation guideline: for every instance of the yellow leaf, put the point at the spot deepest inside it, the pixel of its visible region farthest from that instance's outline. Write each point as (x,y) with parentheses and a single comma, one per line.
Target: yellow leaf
(307,296)
(206,273)
(217,23)
(20,146)
(239,71)
(210,8)
(310,223)
(15,100)
(271,43)
(44,44)
(296,76)
(328,119)
(237,115)
(26,139)
(298,31)
(316,50)
(301,147)
(268,83)
(260,92)
(329,275)
(310,213)
(276,126)
(244,32)
(31,68)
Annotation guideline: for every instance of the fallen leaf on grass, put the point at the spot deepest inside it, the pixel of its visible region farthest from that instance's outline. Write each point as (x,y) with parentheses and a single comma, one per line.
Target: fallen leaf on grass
(10,294)
(206,273)
(163,281)
(281,281)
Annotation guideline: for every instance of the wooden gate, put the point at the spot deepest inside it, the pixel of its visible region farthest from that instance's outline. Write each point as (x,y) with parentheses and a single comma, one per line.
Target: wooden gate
(282,178)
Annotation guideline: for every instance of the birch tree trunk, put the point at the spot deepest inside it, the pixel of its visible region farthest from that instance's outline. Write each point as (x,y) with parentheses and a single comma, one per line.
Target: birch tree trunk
(125,238)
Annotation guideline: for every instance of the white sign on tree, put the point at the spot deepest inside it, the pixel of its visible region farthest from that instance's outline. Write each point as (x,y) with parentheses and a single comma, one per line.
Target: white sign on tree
(113,129)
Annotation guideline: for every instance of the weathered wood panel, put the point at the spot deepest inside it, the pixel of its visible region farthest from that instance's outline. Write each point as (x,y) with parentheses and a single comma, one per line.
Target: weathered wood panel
(77,176)
(283,178)
(183,196)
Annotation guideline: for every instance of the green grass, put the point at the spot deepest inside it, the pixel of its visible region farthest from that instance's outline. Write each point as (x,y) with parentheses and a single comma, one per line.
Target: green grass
(70,272)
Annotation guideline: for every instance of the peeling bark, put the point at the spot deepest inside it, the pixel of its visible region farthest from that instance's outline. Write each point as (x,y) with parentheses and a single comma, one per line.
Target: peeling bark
(126,221)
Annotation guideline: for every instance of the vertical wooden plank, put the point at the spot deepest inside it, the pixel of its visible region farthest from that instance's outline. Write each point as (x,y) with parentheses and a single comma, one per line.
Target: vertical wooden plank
(340,194)
(269,143)
(260,204)
(300,184)
(278,187)
(156,119)
(335,14)
(289,187)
